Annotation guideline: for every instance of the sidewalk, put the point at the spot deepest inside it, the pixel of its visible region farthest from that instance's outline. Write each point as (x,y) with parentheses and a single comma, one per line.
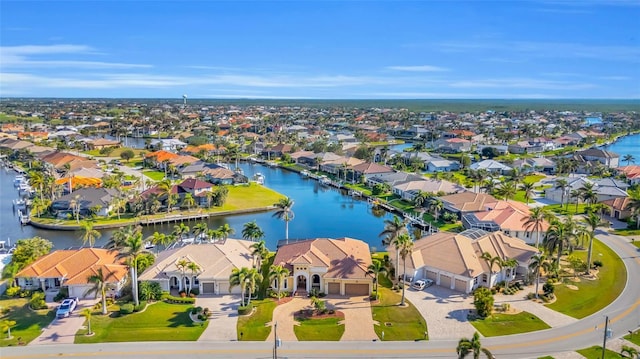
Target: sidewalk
(519,301)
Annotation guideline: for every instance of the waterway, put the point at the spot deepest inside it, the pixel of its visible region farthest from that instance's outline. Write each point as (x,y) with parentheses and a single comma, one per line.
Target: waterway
(627,145)
(319,212)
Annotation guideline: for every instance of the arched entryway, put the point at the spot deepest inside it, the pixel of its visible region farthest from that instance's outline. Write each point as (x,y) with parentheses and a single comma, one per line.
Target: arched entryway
(301,283)
(315,282)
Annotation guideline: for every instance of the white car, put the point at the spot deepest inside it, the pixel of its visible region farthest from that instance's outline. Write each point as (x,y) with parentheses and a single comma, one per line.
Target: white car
(421,284)
(67,307)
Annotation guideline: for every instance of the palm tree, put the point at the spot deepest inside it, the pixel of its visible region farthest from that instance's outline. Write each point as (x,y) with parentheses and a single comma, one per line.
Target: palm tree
(200,229)
(436,205)
(577,195)
(182,265)
(562,185)
(188,201)
(238,277)
(588,194)
(559,234)
(403,245)
(538,261)
(253,278)
(194,268)
(516,176)
(259,251)
(593,222)
(180,230)
(251,231)
(392,229)
(37,180)
(536,222)
(278,273)
(165,187)
(100,285)
(86,312)
(629,159)
(284,212)
(74,205)
(509,263)
(89,235)
(420,199)
(507,189)
(491,261)
(628,352)
(472,346)
(634,206)
(225,230)
(375,268)
(527,187)
(132,248)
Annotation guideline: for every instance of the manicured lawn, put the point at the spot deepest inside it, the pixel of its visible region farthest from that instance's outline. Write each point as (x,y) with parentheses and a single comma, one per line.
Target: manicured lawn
(253,326)
(595,352)
(251,196)
(29,323)
(154,175)
(397,323)
(533,178)
(158,322)
(556,208)
(505,324)
(592,295)
(326,329)
(634,338)
(627,232)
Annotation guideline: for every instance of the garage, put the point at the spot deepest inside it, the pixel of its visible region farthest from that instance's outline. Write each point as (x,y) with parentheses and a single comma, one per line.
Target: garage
(334,288)
(431,275)
(208,288)
(461,286)
(356,289)
(445,281)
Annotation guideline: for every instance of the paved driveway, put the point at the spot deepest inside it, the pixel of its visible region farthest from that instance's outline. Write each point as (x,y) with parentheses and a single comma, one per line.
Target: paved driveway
(63,331)
(358,321)
(224,317)
(444,310)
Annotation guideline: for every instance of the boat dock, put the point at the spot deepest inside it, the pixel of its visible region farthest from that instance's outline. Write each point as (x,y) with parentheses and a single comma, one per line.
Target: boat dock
(173,218)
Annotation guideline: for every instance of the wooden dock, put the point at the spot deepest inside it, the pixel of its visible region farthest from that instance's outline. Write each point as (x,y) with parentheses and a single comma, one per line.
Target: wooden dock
(173,218)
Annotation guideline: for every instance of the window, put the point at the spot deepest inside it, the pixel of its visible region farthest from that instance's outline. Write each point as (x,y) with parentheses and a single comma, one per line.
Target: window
(484,278)
(284,285)
(196,281)
(475,281)
(28,282)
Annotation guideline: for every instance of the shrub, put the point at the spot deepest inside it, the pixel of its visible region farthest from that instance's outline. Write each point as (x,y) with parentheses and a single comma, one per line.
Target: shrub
(179,300)
(202,317)
(37,301)
(150,291)
(483,301)
(244,310)
(597,264)
(25,293)
(13,291)
(126,309)
(548,288)
(141,306)
(195,291)
(206,312)
(182,293)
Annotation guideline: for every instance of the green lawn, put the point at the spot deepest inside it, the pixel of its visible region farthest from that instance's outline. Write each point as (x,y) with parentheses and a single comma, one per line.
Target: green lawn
(29,323)
(253,326)
(533,178)
(397,323)
(556,208)
(634,338)
(592,295)
(116,152)
(595,352)
(505,324)
(326,329)
(157,323)
(251,196)
(154,175)
(627,232)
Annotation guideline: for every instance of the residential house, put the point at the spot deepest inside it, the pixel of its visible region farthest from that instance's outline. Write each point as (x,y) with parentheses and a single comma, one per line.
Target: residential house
(91,200)
(607,158)
(409,190)
(537,164)
(605,189)
(215,261)
(168,144)
(618,208)
(274,152)
(392,178)
(491,166)
(330,266)
(100,143)
(631,173)
(340,165)
(506,216)
(197,188)
(467,202)
(442,166)
(367,169)
(453,260)
(71,269)
(451,145)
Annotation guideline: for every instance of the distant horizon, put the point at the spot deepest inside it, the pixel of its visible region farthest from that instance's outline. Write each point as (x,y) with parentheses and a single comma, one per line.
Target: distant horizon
(180,99)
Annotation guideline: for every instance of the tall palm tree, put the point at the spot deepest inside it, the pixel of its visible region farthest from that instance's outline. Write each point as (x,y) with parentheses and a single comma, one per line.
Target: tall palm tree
(180,230)
(634,206)
(284,212)
(89,235)
(182,265)
(392,229)
(278,273)
(509,263)
(562,184)
(188,201)
(200,229)
(37,180)
(538,261)
(225,231)
(629,159)
(165,187)
(132,249)
(376,267)
(251,231)
(536,221)
(491,261)
(560,233)
(74,205)
(436,205)
(472,346)
(194,268)
(259,251)
(507,189)
(588,193)
(100,286)
(593,222)
(527,187)
(403,245)
(238,277)
(253,278)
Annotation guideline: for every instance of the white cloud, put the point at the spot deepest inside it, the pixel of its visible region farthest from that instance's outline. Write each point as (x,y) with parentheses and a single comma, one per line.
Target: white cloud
(523,83)
(419,68)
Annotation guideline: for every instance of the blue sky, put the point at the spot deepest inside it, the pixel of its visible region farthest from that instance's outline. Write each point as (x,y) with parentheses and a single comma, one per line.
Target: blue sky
(320,49)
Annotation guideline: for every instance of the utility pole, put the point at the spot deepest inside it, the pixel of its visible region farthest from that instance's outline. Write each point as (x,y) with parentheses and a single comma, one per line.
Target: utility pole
(275,340)
(606,334)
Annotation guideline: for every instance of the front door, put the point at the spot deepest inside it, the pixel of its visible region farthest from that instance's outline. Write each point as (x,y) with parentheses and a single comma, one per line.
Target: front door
(302,282)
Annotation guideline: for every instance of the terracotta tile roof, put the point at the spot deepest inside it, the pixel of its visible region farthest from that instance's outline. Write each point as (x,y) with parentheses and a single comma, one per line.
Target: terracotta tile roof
(161,155)
(368,167)
(509,215)
(620,203)
(76,265)
(469,201)
(343,257)
(192,183)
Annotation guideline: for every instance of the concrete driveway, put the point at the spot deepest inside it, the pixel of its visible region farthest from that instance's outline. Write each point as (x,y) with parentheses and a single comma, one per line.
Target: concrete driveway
(63,331)
(224,317)
(444,310)
(358,321)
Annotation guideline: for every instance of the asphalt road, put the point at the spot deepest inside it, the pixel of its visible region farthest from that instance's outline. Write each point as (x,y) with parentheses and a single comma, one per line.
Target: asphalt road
(624,315)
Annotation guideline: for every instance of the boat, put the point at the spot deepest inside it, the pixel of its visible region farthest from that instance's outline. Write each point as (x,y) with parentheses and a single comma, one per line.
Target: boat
(304,174)
(19,204)
(19,180)
(324,180)
(258,178)
(6,247)
(149,245)
(272,164)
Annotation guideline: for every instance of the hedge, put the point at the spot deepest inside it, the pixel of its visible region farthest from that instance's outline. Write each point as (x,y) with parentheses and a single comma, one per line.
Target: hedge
(179,300)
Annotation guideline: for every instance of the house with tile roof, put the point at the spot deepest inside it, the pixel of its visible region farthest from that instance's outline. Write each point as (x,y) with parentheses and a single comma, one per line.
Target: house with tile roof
(506,216)
(491,166)
(619,207)
(453,260)
(89,198)
(215,260)
(631,173)
(467,202)
(410,189)
(70,269)
(367,169)
(330,266)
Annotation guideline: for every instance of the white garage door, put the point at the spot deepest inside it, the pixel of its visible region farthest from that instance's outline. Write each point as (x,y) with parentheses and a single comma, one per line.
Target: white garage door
(445,281)
(461,285)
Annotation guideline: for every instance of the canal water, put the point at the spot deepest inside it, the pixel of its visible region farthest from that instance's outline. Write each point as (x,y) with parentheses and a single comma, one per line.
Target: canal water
(319,212)
(627,145)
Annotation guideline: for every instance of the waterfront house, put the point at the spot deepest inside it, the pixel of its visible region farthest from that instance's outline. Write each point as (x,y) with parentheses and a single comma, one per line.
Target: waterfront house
(275,152)
(607,158)
(70,269)
(605,189)
(168,144)
(631,173)
(330,266)
(410,189)
(367,169)
(214,260)
(451,145)
(452,260)
(392,178)
(100,143)
(159,159)
(91,200)
(467,202)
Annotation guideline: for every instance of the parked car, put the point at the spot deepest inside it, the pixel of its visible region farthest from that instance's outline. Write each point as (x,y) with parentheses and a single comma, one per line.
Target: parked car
(405,278)
(421,284)
(67,307)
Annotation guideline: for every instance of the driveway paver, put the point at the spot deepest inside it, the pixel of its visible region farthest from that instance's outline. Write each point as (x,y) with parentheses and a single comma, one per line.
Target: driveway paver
(63,331)
(358,321)
(444,310)
(283,315)
(223,319)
